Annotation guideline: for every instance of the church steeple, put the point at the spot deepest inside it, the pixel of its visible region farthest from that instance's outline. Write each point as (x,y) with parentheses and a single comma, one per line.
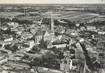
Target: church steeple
(52,23)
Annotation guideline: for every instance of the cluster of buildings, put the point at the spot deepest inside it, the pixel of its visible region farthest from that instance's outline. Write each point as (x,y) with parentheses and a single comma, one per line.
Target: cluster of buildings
(21,38)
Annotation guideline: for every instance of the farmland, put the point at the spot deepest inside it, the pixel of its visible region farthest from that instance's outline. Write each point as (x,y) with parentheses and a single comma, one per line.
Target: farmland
(10,14)
(75,16)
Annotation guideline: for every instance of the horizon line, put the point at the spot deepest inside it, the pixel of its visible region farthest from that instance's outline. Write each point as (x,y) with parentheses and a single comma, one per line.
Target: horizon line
(50,3)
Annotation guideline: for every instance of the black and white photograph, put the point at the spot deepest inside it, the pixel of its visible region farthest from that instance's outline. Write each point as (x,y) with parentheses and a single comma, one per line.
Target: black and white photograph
(52,36)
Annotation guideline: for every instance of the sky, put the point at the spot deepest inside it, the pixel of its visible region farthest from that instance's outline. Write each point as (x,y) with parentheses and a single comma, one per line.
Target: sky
(51,1)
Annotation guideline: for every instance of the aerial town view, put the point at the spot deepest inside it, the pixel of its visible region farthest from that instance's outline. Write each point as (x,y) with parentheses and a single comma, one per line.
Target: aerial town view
(52,38)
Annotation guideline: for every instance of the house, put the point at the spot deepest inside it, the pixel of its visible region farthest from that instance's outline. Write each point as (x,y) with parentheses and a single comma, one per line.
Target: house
(91,28)
(101,32)
(59,29)
(71,32)
(61,21)
(60,45)
(68,65)
(4,28)
(26,35)
(33,30)
(79,48)
(77,25)
(18,30)
(49,35)
(56,43)
(82,28)
(8,39)
(57,38)
(31,44)
(38,36)
(49,44)
(13,24)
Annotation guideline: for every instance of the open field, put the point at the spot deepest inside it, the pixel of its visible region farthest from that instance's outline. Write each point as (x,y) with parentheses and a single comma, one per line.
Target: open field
(76,16)
(10,14)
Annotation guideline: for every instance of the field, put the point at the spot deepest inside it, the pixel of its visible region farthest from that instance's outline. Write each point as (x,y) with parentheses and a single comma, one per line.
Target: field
(10,14)
(76,16)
